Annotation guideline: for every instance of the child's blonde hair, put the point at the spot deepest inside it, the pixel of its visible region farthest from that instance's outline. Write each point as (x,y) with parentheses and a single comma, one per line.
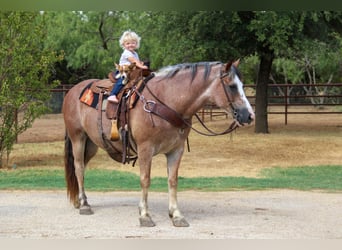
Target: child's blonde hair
(129,36)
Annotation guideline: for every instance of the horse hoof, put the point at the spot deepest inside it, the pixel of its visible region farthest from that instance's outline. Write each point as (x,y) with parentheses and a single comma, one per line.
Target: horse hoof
(86,211)
(146,222)
(180,222)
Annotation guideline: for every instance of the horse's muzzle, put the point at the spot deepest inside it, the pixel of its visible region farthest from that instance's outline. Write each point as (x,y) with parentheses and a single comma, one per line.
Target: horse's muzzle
(243,116)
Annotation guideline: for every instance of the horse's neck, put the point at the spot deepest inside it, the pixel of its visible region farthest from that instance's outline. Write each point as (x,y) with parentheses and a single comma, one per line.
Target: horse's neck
(185,96)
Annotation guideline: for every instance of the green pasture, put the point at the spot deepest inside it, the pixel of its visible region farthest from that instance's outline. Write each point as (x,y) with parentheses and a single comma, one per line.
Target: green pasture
(327,178)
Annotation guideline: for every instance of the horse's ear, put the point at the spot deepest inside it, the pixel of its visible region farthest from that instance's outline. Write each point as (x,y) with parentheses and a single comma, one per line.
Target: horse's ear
(236,63)
(116,66)
(228,65)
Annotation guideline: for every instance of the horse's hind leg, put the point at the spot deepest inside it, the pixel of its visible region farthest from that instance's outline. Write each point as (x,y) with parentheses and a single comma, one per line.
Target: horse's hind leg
(173,162)
(83,151)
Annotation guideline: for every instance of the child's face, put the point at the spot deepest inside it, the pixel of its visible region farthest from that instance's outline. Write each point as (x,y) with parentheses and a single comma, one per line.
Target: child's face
(130,45)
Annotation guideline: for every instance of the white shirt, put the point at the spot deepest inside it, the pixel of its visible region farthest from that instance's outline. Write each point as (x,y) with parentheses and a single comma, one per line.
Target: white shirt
(125,55)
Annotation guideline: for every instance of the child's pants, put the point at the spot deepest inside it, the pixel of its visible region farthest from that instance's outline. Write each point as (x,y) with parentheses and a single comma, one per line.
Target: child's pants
(117,87)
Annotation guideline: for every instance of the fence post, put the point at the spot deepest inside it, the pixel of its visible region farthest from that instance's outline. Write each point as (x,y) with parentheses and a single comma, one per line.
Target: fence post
(286,103)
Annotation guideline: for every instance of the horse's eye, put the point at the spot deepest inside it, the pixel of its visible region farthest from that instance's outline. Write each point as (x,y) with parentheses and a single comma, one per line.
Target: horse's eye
(233,87)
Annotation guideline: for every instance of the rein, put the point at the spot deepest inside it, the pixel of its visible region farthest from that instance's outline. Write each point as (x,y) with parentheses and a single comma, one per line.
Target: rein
(164,111)
(232,126)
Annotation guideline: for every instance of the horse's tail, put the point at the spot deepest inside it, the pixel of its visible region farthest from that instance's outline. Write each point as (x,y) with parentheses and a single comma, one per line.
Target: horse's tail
(69,167)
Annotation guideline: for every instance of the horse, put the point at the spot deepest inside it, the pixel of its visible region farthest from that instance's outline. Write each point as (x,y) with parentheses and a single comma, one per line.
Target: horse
(182,90)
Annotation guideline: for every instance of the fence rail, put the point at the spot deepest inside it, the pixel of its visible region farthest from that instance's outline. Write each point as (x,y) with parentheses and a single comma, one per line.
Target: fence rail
(276,99)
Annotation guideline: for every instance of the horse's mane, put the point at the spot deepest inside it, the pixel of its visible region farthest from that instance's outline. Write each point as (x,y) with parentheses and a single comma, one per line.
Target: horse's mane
(171,71)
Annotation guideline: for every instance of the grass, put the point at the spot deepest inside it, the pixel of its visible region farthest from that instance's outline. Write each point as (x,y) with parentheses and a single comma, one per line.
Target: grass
(328,178)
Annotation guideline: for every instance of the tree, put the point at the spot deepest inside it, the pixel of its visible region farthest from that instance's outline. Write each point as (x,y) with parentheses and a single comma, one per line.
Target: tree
(275,34)
(269,34)
(25,68)
(89,41)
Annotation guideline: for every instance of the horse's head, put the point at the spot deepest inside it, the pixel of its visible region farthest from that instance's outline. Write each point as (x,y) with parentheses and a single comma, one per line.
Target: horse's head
(124,71)
(233,88)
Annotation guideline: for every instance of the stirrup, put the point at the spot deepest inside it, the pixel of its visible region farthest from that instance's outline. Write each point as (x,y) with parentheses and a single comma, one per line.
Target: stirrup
(114,133)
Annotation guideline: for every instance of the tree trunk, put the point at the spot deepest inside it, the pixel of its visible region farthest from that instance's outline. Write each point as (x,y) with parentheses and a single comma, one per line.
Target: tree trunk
(261,100)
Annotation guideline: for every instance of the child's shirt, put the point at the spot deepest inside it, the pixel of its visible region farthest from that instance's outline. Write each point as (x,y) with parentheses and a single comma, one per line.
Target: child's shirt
(125,55)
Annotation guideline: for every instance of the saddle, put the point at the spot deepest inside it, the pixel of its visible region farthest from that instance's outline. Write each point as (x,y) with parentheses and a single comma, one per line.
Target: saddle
(118,113)
(104,85)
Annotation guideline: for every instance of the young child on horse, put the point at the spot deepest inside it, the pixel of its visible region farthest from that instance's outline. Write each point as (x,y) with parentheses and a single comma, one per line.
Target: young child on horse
(129,41)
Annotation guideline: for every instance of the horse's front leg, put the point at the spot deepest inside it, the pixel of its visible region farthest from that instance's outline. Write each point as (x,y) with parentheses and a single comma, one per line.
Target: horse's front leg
(173,162)
(145,181)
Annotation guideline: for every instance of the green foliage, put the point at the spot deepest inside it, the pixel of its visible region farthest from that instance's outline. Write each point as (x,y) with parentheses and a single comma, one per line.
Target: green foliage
(290,70)
(321,61)
(276,30)
(171,43)
(25,68)
(249,67)
(327,178)
(88,39)
(189,36)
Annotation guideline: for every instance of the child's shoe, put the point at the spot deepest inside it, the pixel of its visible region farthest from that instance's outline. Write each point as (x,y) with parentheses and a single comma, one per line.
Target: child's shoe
(113,98)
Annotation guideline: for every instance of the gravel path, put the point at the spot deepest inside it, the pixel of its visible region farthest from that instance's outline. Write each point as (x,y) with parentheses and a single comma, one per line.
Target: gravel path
(275,214)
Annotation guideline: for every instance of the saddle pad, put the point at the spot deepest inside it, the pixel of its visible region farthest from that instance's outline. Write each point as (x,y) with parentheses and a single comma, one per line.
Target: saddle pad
(88,97)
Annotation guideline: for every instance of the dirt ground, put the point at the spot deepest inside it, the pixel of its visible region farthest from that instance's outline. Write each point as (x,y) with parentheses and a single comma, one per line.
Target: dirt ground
(277,214)
(272,214)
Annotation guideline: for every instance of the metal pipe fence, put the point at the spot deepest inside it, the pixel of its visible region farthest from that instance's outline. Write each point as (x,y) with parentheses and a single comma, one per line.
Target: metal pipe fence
(279,95)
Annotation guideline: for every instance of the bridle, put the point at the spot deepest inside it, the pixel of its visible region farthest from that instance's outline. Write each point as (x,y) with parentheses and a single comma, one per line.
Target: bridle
(232,126)
(222,76)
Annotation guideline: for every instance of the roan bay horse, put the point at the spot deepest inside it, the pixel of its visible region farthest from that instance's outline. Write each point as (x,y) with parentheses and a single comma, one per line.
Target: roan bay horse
(184,89)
